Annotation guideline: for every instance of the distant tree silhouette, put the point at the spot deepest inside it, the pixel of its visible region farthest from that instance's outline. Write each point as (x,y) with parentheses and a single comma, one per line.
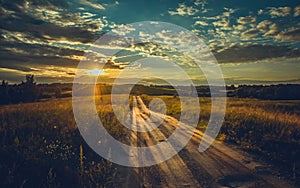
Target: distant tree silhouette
(271,92)
(29,90)
(25,92)
(4,84)
(4,95)
(58,92)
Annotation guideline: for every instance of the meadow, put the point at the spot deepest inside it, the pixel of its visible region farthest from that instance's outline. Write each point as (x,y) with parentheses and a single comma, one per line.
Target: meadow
(270,129)
(42,147)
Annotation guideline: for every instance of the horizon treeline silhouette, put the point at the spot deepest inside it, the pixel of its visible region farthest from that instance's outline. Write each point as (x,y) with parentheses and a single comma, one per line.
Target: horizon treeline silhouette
(26,91)
(30,91)
(270,92)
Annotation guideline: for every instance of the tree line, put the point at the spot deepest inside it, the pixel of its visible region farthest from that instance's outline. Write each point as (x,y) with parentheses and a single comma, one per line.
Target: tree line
(270,92)
(30,91)
(26,91)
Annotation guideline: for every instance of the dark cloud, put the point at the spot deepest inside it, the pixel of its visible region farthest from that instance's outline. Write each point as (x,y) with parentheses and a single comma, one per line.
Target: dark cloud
(36,55)
(24,39)
(254,52)
(292,35)
(15,66)
(111,65)
(40,28)
(17,5)
(16,17)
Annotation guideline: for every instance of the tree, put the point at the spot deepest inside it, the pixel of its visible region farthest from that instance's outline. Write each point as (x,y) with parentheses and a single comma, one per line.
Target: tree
(4,96)
(58,92)
(29,90)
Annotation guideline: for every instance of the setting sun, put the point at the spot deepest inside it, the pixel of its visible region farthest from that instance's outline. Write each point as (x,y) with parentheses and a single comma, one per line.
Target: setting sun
(95,72)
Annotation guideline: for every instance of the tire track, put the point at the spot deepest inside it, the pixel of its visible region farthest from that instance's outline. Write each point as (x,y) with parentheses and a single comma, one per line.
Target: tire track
(174,170)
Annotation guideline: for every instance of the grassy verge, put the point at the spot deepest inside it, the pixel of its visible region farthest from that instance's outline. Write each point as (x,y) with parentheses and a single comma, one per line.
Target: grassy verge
(42,147)
(270,129)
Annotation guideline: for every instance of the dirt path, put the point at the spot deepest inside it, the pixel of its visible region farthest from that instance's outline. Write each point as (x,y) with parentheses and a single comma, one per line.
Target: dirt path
(219,166)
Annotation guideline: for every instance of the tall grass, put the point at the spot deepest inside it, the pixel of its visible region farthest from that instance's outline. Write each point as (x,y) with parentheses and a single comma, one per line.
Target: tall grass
(271,129)
(42,147)
(271,132)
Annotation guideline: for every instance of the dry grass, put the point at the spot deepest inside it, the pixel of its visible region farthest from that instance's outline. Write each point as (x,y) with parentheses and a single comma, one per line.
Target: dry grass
(42,147)
(43,137)
(271,129)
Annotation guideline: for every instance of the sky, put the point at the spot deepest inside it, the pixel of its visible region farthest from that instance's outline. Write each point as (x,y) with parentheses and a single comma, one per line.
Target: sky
(254,42)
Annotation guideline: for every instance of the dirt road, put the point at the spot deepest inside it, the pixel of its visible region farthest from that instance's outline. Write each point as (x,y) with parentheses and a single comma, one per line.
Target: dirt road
(219,166)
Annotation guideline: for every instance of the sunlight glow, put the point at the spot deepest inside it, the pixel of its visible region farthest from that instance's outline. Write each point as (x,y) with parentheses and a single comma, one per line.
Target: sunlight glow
(95,72)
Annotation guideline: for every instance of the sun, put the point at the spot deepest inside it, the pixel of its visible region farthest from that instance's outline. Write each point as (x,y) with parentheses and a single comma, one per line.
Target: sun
(95,72)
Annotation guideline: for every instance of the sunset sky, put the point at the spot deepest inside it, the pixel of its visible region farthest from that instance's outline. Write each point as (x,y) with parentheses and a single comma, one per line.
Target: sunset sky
(255,42)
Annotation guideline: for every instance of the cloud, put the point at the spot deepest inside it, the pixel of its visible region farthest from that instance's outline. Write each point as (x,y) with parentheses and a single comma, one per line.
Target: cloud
(264,25)
(58,32)
(38,28)
(273,30)
(84,20)
(123,29)
(222,22)
(42,73)
(15,67)
(297,11)
(260,12)
(292,35)
(29,44)
(112,65)
(250,34)
(254,52)
(19,50)
(53,19)
(183,10)
(239,27)
(19,37)
(203,3)
(246,20)
(54,71)
(200,2)
(93,5)
(268,28)
(202,23)
(279,12)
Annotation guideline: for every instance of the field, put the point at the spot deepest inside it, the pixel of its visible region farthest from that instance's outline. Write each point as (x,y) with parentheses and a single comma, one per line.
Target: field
(270,128)
(42,147)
